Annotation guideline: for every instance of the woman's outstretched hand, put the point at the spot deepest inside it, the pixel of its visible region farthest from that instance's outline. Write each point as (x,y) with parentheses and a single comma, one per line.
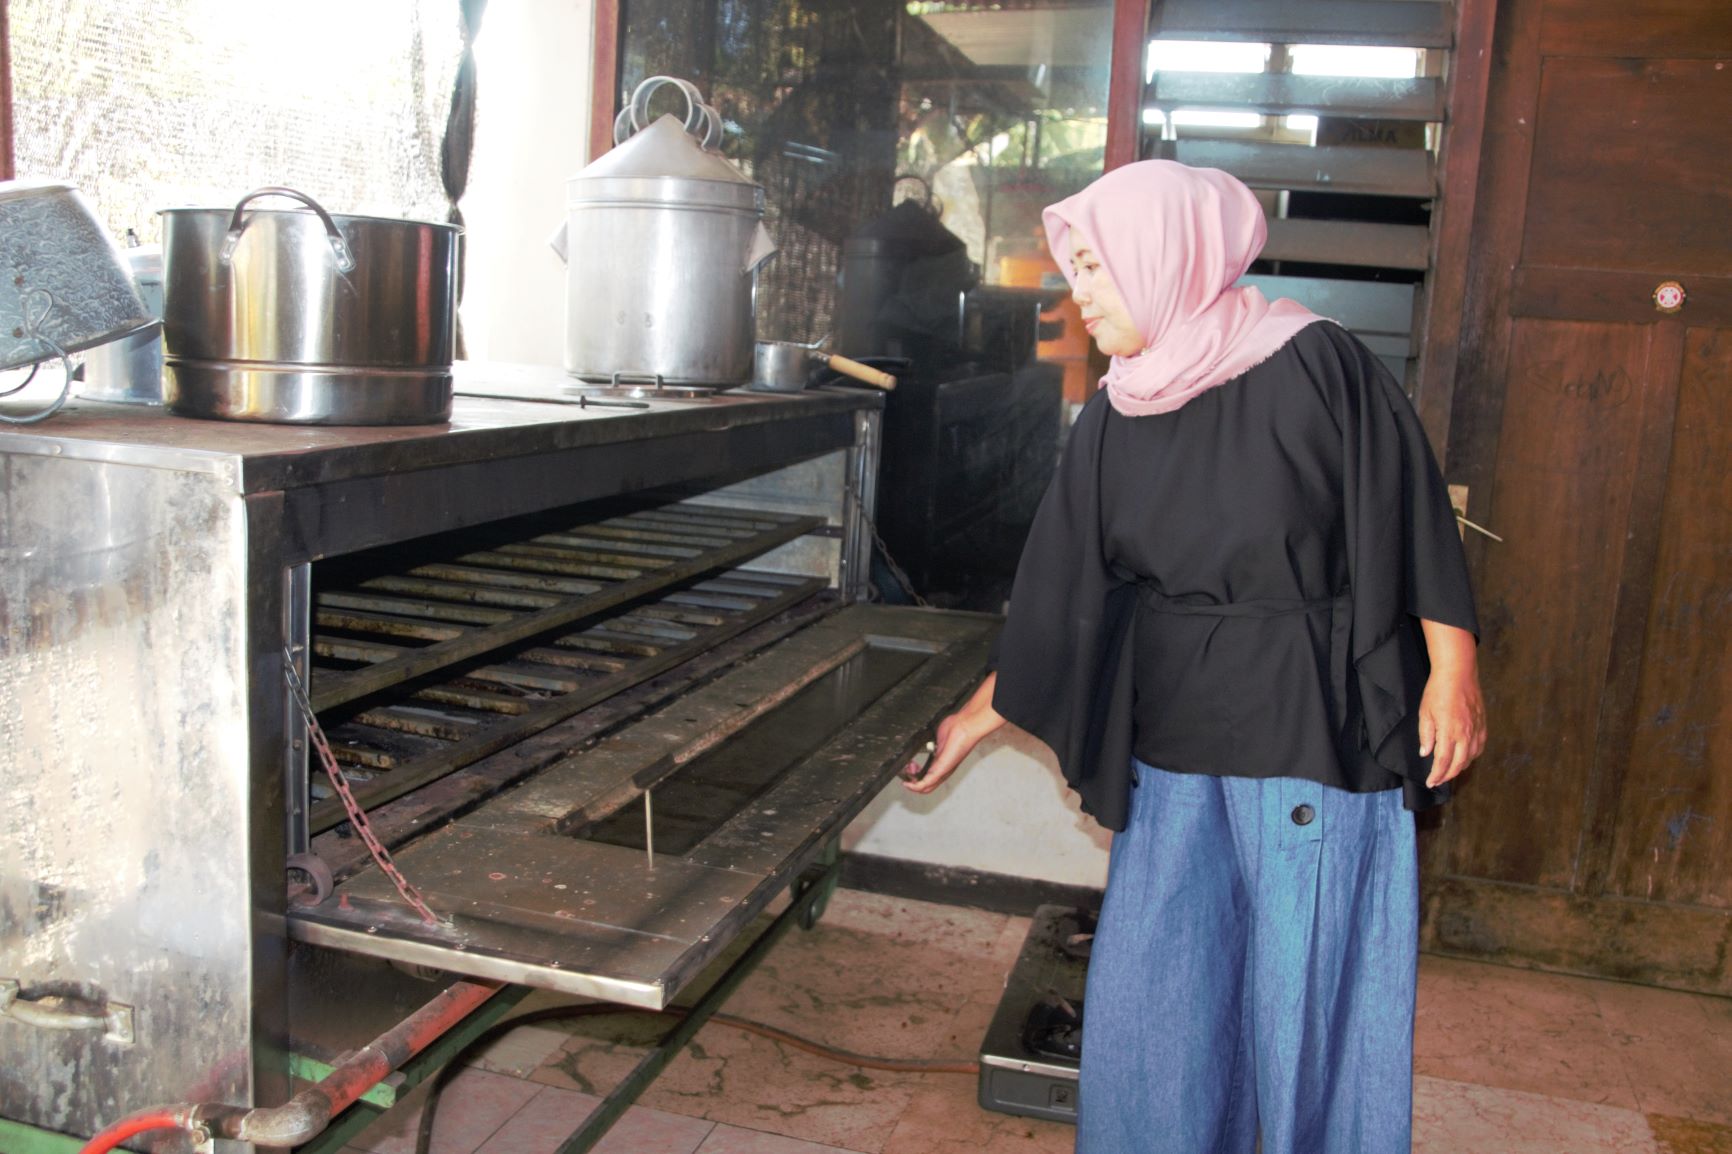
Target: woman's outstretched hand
(1451,711)
(958,734)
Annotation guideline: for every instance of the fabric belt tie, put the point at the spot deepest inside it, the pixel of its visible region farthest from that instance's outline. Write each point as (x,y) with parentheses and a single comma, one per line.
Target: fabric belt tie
(1266,607)
(1339,608)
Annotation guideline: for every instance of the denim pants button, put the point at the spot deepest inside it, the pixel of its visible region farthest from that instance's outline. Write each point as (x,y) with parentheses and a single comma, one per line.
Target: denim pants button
(1303,814)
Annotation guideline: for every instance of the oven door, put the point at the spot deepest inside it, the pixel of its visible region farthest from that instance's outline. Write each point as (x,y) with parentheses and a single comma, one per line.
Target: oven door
(620,871)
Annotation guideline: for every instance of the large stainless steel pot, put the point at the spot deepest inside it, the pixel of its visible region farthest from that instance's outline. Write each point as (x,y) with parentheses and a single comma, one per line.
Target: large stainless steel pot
(129,371)
(662,241)
(301,316)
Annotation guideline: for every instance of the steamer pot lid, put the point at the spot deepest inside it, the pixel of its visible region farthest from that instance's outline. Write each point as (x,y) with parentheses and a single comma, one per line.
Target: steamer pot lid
(664,164)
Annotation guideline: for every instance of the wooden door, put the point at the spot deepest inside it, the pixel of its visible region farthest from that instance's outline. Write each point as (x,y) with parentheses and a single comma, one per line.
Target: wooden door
(1594,430)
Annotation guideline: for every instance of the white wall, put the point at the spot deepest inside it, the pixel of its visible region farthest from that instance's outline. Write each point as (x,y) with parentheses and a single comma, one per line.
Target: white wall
(1005,810)
(532,132)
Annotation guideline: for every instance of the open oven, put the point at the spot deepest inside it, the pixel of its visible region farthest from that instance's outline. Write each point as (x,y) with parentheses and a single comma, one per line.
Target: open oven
(602,681)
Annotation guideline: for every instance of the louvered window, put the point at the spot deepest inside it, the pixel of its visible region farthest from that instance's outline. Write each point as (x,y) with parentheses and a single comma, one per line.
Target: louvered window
(1333,111)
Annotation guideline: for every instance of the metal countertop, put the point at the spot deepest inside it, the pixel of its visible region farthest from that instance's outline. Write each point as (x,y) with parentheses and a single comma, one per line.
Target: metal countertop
(264,457)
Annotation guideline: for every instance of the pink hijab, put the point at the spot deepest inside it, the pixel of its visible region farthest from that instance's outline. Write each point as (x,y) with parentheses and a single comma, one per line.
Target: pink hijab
(1175,239)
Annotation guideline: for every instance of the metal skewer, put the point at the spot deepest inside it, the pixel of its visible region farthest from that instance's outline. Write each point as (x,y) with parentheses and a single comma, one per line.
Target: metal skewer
(580,401)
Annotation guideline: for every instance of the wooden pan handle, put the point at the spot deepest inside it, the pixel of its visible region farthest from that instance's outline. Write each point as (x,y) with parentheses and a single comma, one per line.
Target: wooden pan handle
(860,372)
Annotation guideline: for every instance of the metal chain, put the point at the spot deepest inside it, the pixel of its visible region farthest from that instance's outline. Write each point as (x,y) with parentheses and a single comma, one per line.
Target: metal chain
(896,570)
(340,782)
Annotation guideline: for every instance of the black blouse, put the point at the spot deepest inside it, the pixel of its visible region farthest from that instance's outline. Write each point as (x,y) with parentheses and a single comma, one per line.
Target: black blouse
(1268,551)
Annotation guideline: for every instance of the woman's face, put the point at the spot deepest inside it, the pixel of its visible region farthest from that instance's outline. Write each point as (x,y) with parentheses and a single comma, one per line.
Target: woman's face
(1104,313)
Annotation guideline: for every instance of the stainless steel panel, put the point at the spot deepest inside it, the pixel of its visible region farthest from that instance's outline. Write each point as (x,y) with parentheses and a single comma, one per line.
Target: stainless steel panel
(841,487)
(347,516)
(556,438)
(534,885)
(126,771)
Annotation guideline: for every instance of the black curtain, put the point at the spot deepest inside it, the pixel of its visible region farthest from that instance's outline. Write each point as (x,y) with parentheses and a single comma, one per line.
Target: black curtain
(459,143)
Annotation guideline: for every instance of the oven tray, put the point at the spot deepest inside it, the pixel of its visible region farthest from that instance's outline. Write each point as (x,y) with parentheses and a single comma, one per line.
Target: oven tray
(389,629)
(551,884)
(468,712)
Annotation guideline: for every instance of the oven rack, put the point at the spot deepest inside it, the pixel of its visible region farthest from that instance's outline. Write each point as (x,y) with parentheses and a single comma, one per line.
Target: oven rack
(388,629)
(478,664)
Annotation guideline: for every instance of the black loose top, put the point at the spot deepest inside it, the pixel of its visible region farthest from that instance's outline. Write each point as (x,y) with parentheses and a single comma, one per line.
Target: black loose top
(1235,587)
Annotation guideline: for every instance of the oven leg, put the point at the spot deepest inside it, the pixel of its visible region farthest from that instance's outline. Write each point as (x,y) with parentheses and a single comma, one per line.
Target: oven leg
(813,889)
(825,883)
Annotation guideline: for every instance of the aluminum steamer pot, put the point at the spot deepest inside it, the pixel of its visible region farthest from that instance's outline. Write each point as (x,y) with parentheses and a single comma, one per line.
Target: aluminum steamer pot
(662,241)
(299,316)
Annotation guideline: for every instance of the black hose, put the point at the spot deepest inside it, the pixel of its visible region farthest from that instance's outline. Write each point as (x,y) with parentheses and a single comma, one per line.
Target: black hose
(20,386)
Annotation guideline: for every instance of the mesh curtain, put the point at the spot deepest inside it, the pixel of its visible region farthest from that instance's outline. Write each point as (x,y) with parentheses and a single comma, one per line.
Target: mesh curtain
(147,104)
(807,91)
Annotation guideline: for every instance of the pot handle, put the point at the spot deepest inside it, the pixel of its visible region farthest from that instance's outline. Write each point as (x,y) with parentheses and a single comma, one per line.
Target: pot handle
(701,120)
(339,246)
(712,138)
(640,98)
(930,202)
(622,126)
(114,1019)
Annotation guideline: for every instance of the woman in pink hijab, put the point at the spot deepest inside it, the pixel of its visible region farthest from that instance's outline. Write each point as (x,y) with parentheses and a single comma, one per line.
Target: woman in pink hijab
(1242,622)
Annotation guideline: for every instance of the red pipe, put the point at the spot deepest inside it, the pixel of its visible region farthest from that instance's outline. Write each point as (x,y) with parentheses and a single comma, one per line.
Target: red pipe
(603,77)
(131,1126)
(305,1116)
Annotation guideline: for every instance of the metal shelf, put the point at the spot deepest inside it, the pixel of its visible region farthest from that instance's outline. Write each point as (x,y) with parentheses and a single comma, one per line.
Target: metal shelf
(399,745)
(554,882)
(389,629)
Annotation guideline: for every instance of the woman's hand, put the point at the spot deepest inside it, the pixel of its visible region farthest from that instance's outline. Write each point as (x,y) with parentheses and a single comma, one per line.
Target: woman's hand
(1451,711)
(958,734)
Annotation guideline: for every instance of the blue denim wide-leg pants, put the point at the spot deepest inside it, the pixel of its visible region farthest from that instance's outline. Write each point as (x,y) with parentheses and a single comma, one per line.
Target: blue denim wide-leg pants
(1253,973)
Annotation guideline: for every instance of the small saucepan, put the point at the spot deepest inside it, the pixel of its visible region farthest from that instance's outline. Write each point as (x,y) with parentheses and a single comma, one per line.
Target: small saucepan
(786,367)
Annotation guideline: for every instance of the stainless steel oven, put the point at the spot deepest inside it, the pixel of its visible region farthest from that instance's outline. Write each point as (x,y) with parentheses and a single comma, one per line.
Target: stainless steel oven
(601,681)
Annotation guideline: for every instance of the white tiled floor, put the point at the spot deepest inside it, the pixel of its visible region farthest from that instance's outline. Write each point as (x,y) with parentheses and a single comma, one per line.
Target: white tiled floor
(1508,1061)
